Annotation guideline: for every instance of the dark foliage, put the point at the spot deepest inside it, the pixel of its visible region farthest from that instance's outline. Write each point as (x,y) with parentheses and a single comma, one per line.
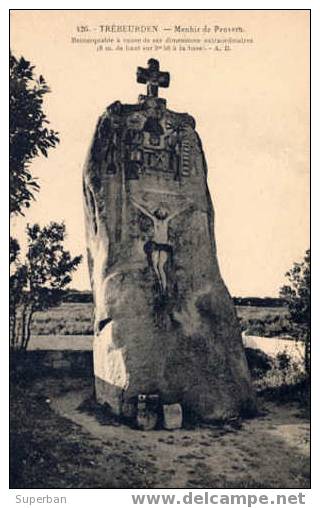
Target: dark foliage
(29,134)
(75,296)
(297,294)
(253,301)
(259,362)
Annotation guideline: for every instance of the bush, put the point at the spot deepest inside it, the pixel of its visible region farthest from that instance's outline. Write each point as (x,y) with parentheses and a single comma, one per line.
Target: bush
(259,362)
(297,294)
(281,379)
(284,371)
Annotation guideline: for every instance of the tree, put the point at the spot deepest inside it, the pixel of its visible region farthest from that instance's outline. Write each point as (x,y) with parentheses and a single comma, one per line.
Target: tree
(297,295)
(38,283)
(18,282)
(29,136)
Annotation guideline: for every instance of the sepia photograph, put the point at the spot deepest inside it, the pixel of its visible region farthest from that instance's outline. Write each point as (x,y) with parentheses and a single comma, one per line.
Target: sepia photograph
(159,250)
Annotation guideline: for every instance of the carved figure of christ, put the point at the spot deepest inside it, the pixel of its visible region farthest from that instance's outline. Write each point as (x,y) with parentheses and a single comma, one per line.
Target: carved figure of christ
(159,248)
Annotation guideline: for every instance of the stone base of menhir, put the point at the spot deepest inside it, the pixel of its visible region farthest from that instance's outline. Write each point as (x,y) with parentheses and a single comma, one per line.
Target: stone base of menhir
(194,359)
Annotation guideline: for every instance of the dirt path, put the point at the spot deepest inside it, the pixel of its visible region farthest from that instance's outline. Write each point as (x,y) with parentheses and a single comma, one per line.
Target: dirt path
(270,451)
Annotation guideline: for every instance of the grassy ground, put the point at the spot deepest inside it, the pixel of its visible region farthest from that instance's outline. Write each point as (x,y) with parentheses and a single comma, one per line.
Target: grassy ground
(67,319)
(264,321)
(60,439)
(76,319)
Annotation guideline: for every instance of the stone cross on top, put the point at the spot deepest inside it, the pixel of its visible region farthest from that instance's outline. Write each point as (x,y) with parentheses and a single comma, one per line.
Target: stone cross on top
(153,77)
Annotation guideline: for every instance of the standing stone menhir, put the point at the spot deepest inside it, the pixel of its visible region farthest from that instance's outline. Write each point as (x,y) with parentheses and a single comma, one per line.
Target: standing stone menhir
(165,324)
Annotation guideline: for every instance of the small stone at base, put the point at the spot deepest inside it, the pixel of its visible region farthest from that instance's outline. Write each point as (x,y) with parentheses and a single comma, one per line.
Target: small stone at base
(172,416)
(146,419)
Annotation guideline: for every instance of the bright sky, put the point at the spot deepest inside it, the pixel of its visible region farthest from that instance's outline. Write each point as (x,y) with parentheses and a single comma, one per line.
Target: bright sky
(251,106)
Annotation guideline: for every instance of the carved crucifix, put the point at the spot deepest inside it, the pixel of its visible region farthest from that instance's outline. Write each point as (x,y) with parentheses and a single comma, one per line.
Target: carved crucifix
(153,77)
(158,249)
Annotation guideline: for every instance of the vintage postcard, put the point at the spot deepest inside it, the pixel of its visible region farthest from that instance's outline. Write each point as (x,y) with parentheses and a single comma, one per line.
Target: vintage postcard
(160,250)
